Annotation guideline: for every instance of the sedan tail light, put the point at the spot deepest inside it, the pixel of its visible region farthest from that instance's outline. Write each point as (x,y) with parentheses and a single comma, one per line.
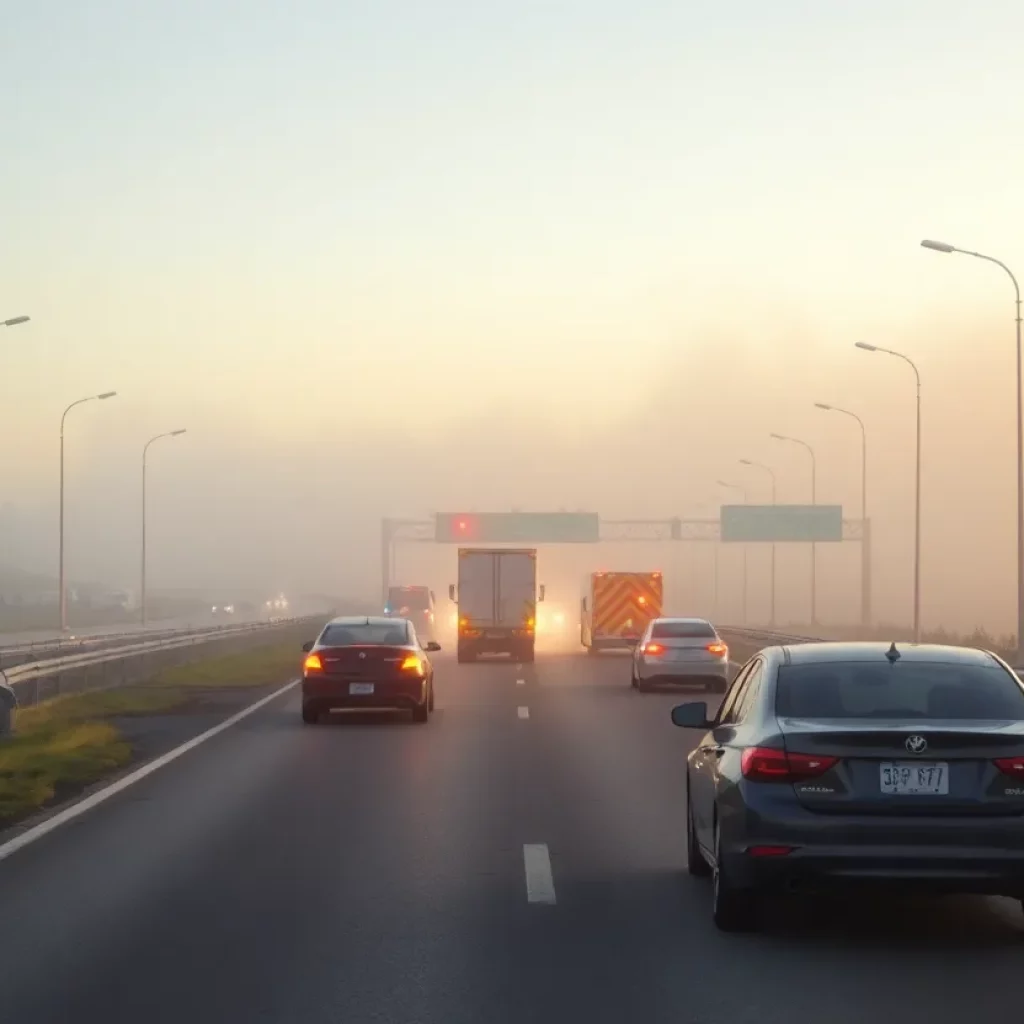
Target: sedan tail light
(312,663)
(764,764)
(652,649)
(413,663)
(1011,766)
(718,649)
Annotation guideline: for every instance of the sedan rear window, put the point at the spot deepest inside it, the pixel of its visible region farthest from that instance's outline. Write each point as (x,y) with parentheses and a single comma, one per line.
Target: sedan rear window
(388,635)
(904,690)
(677,630)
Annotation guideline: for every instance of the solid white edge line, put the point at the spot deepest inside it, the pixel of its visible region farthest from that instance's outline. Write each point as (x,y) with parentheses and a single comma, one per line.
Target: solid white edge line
(94,799)
(540,883)
(523,712)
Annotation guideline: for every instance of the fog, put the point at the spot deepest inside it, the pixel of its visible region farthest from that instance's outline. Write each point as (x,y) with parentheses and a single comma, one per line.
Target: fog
(233,505)
(413,284)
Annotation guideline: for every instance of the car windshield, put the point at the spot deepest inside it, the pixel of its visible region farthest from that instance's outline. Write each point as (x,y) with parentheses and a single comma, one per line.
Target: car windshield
(409,599)
(392,634)
(906,689)
(677,630)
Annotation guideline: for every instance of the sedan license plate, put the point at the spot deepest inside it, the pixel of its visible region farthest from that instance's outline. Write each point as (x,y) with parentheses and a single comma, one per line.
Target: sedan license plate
(911,778)
(360,689)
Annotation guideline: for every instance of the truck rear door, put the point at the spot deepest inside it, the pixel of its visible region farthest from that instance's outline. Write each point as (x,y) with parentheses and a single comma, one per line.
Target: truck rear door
(517,588)
(477,587)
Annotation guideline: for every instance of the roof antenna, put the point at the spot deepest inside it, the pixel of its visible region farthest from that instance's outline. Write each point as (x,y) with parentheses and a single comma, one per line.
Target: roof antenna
(892,654)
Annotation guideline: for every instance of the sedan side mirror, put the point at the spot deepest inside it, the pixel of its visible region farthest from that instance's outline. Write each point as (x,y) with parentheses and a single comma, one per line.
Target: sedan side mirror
(433,647)
(308,646)
(691,716)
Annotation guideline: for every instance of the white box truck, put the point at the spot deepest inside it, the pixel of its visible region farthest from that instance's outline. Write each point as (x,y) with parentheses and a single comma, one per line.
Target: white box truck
(497,597)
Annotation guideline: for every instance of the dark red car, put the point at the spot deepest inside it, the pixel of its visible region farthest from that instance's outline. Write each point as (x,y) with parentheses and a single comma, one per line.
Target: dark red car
(370,663)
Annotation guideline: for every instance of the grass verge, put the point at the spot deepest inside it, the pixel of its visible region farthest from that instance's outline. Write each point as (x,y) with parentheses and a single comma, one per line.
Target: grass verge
(63,745)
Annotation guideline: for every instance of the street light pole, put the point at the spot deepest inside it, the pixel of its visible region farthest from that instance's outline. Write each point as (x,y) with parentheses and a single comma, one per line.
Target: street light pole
(771,473)
(814,501)
(917,481)
(945,247)
(145,450)
(865,567)
(746,593)
(14,321)
(63,593)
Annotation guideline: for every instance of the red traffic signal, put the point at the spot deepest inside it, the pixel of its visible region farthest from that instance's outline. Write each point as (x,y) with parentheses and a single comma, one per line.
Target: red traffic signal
(458,527)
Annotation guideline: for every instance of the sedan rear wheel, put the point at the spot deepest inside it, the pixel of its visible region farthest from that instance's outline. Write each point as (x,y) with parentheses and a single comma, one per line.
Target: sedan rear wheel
(310,714)
(733,910)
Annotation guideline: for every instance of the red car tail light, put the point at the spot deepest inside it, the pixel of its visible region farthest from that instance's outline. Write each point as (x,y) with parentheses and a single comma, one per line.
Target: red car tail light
(1011,766)
(312,664)
(763,764)
(413,663)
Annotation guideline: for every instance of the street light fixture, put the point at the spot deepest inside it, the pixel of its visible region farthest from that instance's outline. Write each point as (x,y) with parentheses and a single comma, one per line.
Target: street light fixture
(946,247)
(917,482)
(746,594)
(771,473)
(865,566)
(14,321)
(63,591)
(145,450)
(814,501)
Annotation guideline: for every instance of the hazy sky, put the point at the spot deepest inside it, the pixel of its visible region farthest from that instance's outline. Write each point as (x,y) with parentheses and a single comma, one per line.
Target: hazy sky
(393,257)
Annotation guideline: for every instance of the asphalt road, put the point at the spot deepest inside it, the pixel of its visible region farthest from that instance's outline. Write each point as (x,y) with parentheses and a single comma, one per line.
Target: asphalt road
(374,871)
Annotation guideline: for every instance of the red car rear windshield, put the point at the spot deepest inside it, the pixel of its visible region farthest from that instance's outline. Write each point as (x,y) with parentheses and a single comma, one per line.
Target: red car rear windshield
(392,634)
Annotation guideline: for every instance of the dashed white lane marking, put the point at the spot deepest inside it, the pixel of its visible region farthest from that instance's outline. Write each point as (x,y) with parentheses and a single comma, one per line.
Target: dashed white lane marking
(520,682)
(540,885)
(75,810)
(523,712)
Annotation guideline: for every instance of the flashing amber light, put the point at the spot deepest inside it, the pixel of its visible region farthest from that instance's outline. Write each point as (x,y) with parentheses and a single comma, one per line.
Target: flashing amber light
(312,664)
(652,649)
(412,663)
(718,649)
(529,622)
(463,622)
(641,600)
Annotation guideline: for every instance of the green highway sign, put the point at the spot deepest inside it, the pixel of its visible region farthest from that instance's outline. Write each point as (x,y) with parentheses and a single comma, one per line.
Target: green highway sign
(752,524)
(517,528)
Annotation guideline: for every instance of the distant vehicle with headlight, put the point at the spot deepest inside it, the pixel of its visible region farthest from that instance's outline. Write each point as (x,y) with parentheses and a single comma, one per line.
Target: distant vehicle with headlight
(551,620)
(415,603)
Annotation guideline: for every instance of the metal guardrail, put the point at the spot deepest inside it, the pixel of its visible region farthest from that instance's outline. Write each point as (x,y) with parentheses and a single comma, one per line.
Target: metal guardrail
(768,638)
(35,681)
(35,650)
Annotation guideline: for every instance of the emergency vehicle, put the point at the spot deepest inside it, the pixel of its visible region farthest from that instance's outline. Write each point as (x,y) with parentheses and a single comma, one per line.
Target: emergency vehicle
(617,607)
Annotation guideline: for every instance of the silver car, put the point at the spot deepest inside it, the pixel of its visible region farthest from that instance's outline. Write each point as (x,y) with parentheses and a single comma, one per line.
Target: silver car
(681,652)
